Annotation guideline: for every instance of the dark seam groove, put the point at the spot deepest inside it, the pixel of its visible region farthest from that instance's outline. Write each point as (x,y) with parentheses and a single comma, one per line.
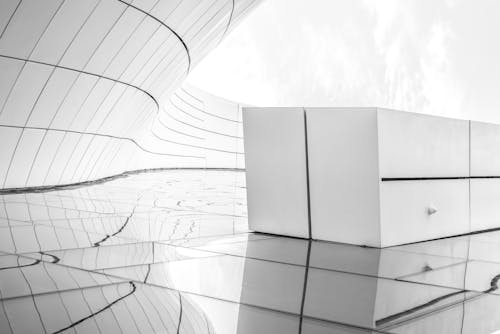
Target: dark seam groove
(69,186)
(195,146)
(24,265)
(309,224)
(180,314)
(398,315)
(201,129)
(88,73)
(430,178)
(134,288)
(10,18)
(222,299)
(304,289)
(30,53)
(203,111)
(67,92)
(100,135)
(147,273)
(310,266)
(493,287)
(184,111)
(39,93)
(447,237)
(188,93)
(97,244)
(228,22)
(166,26)
(55,259)
(179,132)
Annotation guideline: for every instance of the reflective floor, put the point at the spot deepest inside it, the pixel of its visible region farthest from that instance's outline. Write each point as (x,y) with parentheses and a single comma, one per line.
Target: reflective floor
(170,252)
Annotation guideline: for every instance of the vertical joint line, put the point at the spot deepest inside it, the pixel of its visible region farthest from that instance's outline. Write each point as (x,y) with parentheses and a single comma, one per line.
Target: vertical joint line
(470,226)
(307,176)
(470,174)
(304,289)
(470,230)
(470,151)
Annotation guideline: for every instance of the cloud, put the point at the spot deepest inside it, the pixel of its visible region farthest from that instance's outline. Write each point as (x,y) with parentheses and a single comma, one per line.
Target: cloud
(410,55)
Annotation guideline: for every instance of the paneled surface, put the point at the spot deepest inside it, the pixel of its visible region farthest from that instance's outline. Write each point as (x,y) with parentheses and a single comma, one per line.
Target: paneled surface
(416,145)
(91,89)
(343,174)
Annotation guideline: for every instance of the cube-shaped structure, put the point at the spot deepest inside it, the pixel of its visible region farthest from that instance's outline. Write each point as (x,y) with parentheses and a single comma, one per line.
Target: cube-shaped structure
(369,176)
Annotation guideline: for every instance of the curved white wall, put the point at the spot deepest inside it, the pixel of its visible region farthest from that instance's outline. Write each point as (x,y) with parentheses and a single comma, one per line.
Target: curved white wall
(90,89)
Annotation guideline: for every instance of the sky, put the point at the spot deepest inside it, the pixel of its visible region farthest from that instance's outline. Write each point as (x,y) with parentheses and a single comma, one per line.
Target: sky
(437,57)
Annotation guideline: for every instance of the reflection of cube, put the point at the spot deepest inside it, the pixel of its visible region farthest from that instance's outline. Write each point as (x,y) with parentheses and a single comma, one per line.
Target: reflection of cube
(375,177)
(372,302)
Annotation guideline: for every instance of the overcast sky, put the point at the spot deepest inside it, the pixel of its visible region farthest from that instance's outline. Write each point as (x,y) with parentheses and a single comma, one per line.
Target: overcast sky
(430,56)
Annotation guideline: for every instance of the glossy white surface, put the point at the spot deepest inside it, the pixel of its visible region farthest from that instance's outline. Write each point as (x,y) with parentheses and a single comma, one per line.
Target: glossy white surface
(405,216)
(170,252)
(381,297)
(485,149)
(377,177)
(276,170)
(484,204)
(343,174)
(416,145)
(92,89)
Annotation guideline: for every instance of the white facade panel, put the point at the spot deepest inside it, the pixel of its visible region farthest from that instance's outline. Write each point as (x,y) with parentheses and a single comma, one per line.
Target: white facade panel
(275,146)
(412,211)
(416,145)
(485,149)
(343,174)
(485,204)
(24,156)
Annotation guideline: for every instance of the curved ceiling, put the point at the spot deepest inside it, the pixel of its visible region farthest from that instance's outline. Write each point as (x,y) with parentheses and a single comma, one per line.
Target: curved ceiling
(91,89)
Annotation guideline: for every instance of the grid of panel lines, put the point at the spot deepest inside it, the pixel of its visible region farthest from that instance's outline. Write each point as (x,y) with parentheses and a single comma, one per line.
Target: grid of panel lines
(91,89)
(73,300)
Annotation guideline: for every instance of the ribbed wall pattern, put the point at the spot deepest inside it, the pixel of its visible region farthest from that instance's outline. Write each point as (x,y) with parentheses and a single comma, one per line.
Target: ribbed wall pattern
(90,88)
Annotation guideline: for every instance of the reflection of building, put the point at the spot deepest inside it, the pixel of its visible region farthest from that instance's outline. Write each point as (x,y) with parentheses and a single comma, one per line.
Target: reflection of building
(90,89)
(54,246)
(97,303)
